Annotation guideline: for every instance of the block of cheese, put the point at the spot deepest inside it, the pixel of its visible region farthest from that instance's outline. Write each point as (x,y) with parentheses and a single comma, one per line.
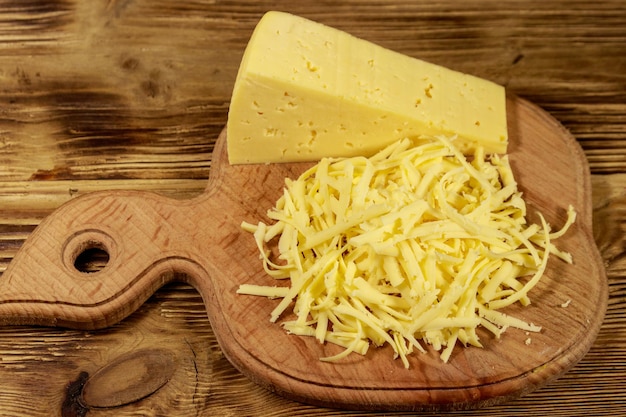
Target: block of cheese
(306,91)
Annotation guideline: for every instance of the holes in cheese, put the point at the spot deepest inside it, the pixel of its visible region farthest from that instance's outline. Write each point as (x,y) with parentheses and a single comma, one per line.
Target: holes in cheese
(415,245)
(305,91)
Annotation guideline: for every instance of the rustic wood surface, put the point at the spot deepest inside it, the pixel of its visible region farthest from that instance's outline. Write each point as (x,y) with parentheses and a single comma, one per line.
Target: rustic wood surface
(122,94)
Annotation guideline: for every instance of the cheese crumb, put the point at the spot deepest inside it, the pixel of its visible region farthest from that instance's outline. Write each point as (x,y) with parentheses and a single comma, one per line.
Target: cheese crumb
(415,246)
(566,304)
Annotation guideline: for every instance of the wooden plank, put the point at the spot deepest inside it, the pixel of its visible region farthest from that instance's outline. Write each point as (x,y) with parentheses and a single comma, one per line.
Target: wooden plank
(163,70)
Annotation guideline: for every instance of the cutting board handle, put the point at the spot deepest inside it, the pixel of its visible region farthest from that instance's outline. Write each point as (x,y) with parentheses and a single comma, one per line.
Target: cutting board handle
(149,240)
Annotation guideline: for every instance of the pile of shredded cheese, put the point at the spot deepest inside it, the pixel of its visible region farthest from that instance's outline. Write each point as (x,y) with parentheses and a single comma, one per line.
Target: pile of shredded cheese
(417,244)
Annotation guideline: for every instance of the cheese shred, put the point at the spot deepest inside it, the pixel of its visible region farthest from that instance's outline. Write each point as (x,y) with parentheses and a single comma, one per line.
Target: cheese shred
(417,245)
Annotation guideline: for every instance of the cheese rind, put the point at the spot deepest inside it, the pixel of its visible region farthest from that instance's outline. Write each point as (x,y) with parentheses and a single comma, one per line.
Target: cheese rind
(305,91)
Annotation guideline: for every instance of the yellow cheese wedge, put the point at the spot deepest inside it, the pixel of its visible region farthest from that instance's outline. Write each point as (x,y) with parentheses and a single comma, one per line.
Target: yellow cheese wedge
(306,91)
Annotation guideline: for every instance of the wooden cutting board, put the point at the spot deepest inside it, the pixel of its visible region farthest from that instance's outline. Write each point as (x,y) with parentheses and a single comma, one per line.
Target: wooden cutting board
(148,237)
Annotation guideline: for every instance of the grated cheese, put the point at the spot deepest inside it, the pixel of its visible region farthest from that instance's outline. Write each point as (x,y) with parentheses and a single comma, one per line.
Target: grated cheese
(414,246)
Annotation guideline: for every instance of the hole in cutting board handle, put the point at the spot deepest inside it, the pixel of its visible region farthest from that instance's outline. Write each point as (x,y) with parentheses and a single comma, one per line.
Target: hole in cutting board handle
(89,251)
(92,259)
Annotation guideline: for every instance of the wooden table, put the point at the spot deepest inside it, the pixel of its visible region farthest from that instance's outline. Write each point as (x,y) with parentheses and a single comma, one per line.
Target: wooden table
(131,94)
